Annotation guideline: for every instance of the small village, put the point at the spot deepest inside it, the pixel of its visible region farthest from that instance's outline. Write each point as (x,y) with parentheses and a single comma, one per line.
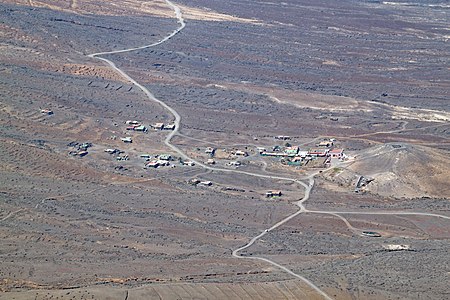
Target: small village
(320,156)
(323,154)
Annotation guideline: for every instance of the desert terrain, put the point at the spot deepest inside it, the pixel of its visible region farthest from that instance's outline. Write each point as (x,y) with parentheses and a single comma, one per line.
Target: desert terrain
(251,149)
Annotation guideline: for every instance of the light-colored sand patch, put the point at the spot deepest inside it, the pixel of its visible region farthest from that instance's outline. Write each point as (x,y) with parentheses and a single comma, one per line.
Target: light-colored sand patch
(330,62)
(133,8)
(420,114)
(74,4)
(92,71)
(209,15)
(299,98)
(346,31)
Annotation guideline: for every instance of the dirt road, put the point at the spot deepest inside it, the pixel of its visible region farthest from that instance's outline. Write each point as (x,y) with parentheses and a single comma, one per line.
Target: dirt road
(307,186)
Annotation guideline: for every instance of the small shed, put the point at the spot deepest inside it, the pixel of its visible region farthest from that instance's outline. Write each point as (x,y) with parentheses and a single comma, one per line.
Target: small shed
(112,151)
(153,164)
(297,159)
(240,153)
(126,139)
(169,127)
(273,193)
(82,153)
(141,128)
(130,122)
(302,154)
(165,157)
(261,149)
(194,181)
(293,150)
(163,163)
(337,153)
(282,137)
(158,126)
(47,111)
(325,144)
(210,150)
(318,152)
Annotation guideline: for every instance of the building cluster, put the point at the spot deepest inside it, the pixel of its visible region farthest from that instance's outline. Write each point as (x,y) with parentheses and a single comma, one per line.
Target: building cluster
(274,193)
(239,153)
(196,181)
(361,183)
(233,154)
(162,160)
(293,155)
(210,151)
(283,137)
(133,125)
(47,111)
(79,149)
(162,126)
(113,151)
(127,140)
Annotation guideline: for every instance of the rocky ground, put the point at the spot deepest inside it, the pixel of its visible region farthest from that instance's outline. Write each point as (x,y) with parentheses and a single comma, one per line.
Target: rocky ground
(369,73)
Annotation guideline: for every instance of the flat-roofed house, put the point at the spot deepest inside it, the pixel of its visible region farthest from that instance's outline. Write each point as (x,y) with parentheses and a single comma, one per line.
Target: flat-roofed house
(127,139)
(241,153)
(274,193)
(153,164)
(169,127)
(158,126)
(291,151)
(325,144)
(337,153)
(319,152)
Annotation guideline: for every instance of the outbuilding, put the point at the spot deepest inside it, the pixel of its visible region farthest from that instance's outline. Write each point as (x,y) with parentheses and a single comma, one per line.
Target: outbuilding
(325,144)
(240,153)
(319,152)
(169,127)
(337,153)
(282,137)
(112,151)
(130,122)
(47,111)
(141,128)
(210,150)
(126,139)
(291,151)
(158,126)
(163,163)
(153,164)
(165,157)
(207,183)
(274,193)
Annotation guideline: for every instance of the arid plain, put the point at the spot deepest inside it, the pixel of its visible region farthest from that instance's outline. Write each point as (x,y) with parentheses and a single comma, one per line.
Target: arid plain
(319,129)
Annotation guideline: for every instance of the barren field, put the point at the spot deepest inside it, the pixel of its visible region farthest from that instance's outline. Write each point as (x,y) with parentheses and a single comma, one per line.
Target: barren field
(164,172)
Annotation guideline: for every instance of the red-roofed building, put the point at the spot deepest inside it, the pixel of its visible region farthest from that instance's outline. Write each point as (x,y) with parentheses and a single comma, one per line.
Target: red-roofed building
(337,153)
(320,152)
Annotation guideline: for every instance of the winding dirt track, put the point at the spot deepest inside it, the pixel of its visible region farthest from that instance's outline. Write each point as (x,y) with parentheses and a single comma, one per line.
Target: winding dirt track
(307,186)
